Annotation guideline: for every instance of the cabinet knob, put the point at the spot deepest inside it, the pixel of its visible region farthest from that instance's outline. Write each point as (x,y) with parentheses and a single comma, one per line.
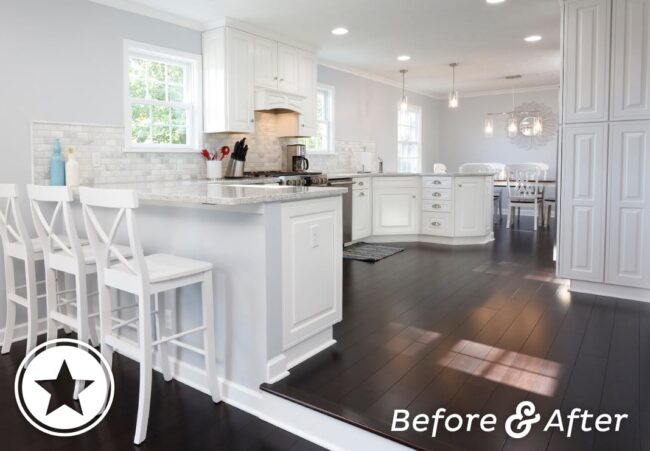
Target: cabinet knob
(302,125)
(252,120)
(275,78)
(360,183)
(460,186)
(282,79)
(413,197)
(362,194)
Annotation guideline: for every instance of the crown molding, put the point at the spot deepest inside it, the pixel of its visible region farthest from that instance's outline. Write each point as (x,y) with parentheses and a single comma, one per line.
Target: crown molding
(152,13)
(372,77)
(497,92)
(258,31)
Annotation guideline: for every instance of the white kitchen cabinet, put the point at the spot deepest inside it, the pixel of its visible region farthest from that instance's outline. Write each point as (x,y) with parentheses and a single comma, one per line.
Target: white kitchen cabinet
(287,68)
(583,202)
(228,71)
(469,206)
(395,206)
(307,75)
(628,224)
(266,63)
(361,213)
(586,56)
(312,268)
(630,95)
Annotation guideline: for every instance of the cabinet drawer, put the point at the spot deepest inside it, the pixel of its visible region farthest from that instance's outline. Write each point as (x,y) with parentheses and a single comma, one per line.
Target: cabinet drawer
(436,205)
(361,183)
(437,224)
(395,182)
(436,194)
(436,182)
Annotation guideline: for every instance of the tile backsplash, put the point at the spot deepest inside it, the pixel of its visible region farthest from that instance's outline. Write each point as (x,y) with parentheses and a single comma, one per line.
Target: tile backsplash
(101,156)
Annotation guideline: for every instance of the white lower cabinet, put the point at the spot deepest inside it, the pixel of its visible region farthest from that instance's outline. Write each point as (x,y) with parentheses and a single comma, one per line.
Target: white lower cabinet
(583,188)
(628,250)
(395,205)
(361,213)
(469,206)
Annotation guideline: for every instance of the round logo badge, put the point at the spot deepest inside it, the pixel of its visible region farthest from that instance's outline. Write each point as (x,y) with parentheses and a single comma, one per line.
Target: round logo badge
(64,387)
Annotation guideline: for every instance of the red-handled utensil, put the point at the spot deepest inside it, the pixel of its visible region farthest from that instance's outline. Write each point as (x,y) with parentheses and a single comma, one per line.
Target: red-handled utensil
(206,154)
(225,151)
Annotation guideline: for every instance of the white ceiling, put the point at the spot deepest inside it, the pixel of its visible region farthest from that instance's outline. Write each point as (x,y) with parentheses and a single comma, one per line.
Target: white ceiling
(487,40)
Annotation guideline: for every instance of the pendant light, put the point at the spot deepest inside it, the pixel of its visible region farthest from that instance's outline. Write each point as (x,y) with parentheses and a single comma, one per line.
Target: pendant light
(453,94)
(404,101)
(489,127)
(513,126)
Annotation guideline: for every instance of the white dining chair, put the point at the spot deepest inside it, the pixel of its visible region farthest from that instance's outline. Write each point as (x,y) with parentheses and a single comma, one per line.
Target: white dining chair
(144,277)
(439,168)
(522,183)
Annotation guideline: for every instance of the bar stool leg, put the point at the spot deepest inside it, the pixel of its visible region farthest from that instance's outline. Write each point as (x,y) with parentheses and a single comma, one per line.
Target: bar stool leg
(207,299)
(32,305)
(64,310)
(52,299)
(83,334)
(145,357)
(163,347)
(10,320)
(105,320)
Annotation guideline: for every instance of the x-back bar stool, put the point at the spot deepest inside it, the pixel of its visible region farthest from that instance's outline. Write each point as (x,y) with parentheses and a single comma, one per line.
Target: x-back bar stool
(144,277)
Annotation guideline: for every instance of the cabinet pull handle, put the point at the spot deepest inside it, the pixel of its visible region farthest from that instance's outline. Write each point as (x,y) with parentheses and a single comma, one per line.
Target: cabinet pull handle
(437,182)
(435,224)
(360,183)
(282,79)
(436,205)
(436,194)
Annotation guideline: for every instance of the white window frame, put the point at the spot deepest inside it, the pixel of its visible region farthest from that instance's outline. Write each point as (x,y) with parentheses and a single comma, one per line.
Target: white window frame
(194,120)
(331,146)
(418,109)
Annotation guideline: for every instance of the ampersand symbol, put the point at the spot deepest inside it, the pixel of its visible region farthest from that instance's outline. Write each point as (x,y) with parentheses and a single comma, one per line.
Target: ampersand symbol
(523,419)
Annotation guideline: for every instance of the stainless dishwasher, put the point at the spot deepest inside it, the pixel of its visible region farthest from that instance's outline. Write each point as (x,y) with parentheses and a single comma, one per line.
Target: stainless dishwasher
(347,205)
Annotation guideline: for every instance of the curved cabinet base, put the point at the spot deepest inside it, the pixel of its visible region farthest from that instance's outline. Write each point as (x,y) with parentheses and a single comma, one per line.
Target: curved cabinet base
(452,241)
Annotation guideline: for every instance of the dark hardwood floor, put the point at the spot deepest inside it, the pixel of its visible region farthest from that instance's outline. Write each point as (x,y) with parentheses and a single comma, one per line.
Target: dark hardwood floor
(477,330)
(181,419)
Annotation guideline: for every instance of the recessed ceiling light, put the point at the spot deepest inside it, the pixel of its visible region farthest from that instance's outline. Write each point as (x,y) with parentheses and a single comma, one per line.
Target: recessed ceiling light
(340,31)
(495,1)
(403,58)
(533,38)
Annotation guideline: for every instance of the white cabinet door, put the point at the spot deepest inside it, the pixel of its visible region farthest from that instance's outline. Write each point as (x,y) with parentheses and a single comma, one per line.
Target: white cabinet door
(587,30)
(287,68)
(630,96)
(628,225)
(361,214)
(240,64)
(469,206)
(266,63)
(312,267)
(395,211)
(583,202)
(307,88)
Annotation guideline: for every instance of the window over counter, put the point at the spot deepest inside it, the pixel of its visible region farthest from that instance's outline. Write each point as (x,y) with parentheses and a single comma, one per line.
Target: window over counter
(323,142)
(162,99)
(409,139)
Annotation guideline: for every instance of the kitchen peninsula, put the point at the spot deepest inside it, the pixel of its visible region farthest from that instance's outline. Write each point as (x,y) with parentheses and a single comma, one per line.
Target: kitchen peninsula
(277,261)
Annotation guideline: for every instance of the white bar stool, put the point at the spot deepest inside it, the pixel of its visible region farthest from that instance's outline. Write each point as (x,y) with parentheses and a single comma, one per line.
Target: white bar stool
(144,276)
(17,244)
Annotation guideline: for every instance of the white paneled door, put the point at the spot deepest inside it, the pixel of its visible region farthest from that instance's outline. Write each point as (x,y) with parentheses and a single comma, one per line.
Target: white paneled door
(287,68)
(469,205)
(586,61)
(241,62)
(630,96)
(628,244)
(395,211)
(583,202)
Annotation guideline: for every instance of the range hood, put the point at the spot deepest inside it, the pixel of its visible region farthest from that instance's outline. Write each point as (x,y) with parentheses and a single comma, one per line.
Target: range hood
(271,100)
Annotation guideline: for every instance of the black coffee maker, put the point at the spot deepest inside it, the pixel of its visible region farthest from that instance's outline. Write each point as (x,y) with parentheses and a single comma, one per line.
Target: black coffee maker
(296,159)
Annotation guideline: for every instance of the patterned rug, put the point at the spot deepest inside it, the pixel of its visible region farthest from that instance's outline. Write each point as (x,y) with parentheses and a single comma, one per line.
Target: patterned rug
(369,252)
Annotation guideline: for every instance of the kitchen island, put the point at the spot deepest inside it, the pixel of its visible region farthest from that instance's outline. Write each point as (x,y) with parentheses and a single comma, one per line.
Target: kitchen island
(277,255)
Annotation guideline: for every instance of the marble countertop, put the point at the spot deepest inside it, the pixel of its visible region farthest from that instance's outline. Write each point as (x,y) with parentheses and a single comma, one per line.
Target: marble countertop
(208,193)
(335,175)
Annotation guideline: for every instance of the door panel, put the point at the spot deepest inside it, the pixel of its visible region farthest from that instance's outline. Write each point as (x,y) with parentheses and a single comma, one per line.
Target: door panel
(266,63)
(287,68)
(469,204)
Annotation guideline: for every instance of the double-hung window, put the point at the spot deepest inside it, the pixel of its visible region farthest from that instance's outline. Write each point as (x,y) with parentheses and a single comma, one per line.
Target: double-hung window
(409,139)
(162,96)
(323,142)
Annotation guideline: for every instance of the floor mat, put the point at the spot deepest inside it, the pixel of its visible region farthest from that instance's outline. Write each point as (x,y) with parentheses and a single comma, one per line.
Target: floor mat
(369,252)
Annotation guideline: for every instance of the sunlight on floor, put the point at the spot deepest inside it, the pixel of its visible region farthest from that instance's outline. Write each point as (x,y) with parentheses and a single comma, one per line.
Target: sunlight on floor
(511,368)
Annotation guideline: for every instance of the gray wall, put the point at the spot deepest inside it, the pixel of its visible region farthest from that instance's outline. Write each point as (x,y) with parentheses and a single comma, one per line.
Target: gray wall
(462,139)
(62,61)
(367,110)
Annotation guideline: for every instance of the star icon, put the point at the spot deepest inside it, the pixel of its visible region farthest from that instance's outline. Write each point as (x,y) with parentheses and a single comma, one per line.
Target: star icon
(61,390)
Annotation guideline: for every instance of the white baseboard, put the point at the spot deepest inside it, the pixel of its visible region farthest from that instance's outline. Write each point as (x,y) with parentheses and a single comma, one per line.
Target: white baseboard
(614,291)
(451,241)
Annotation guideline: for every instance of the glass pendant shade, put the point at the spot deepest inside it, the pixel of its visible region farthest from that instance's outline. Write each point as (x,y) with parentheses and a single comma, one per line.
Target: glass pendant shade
(489,127)
(453,99)
(404,104)
(512,127)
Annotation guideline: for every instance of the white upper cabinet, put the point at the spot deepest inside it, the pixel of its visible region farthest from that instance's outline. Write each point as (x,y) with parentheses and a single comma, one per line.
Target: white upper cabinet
(287,68)
(630,96)
(228,71)
(583,187)
(469,206)
(307,88)
(586,68)
(266,63)
(628,244)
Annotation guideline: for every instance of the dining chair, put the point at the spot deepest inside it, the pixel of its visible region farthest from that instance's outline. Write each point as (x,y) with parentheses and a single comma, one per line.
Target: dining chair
(143,276)
(522,183)
(439,168)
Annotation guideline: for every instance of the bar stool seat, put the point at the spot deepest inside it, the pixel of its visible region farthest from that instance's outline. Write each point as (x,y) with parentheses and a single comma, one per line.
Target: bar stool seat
(88,255)
(161,267)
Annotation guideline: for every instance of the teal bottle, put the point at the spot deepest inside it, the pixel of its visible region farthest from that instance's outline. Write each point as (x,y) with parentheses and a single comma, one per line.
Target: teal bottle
(57,166)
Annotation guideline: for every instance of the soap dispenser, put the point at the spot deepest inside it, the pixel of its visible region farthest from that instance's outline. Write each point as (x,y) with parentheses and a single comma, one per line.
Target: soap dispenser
(57,165)
(72,175)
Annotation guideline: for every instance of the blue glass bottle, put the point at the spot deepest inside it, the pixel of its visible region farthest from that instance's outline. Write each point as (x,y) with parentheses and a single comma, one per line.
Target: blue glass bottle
(57,165)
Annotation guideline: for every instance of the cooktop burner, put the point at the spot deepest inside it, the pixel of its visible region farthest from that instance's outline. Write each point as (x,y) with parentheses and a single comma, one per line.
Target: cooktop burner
(271,174)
